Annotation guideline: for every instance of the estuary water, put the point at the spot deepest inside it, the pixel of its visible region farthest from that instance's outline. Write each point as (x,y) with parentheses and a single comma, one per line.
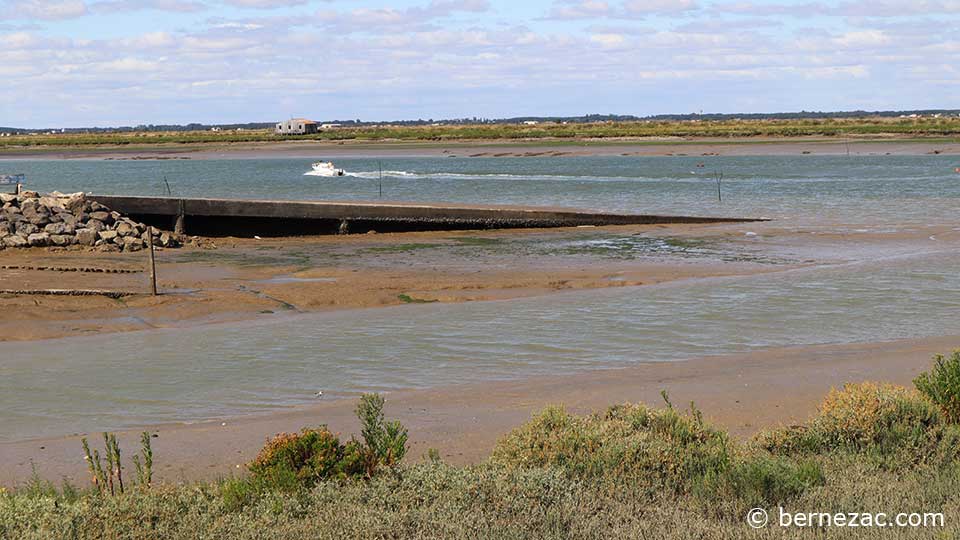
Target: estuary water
(796,189)
(126,380)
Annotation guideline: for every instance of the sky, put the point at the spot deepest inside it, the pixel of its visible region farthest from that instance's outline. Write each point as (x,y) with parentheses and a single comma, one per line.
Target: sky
(81,63)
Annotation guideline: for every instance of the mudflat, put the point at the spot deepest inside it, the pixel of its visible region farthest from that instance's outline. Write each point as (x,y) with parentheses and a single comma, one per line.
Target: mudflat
(232,279)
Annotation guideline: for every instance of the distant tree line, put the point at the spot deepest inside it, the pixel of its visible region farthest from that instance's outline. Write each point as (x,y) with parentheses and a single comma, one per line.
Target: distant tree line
(584,119)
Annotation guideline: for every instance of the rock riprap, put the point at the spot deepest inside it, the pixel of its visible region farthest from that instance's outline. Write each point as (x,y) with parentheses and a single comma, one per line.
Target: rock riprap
(33,220)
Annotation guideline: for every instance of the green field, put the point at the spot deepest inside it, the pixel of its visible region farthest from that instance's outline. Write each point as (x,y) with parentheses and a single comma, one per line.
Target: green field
(730,129)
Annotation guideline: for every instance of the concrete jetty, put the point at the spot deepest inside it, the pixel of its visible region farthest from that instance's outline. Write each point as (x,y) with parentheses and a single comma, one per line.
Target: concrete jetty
(235,217)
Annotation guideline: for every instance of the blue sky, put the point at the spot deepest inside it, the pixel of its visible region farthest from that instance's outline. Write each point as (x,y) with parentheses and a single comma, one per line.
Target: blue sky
(72,63)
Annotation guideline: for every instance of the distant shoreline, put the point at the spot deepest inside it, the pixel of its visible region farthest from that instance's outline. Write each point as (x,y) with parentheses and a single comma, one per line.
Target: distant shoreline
(625,147)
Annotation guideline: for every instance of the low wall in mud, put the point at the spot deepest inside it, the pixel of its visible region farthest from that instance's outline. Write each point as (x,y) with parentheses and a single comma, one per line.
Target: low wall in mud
(245,218)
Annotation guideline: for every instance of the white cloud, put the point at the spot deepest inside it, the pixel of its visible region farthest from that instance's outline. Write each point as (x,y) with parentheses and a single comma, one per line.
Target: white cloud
(42,9)
(120,6)
(608,40)
(628,9)
(398,20)
(579,9)
(851,8)
(265,4)
(649,7)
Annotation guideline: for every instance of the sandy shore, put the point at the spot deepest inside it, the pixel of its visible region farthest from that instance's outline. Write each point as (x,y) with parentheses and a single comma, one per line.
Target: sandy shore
(743,393)
(747,146)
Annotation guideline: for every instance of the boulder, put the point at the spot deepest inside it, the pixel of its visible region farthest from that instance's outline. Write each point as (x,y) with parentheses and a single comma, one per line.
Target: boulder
(63,239)
(95,224)
(86,237)
(51,202)
(25,228)
(131,243)
(58,228)
(7,198)
(75,202)
(15,240)
(107,236)
(125,229)
(68,218)
(39,239)
(102,216)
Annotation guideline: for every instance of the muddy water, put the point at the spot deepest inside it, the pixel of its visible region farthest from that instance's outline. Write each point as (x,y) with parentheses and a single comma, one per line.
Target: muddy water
(124,380)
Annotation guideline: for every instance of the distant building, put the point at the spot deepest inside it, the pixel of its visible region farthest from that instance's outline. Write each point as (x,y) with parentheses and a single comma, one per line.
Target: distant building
(530,123)
(330,126)
(296,126)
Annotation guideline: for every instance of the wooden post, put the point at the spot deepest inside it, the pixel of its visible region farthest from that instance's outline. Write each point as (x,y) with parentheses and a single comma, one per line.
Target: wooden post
(179,227)
(153,262)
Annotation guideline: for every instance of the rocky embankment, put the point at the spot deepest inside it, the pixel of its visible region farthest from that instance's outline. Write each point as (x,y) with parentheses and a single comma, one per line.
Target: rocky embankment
(33,220)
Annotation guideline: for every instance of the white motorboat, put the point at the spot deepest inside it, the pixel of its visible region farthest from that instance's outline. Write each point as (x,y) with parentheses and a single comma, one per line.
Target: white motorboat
(325,168)
(12,179)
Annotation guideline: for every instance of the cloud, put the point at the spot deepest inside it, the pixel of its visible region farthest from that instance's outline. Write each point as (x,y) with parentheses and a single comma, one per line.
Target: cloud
(651,7)
(852,8)
(447,58)
(265,4)
(42,9)
(400,20)
(121,6)
(579,9)
(629,9)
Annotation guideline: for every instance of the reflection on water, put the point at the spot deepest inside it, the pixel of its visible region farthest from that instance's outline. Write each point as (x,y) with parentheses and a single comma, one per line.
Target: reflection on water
(124,380)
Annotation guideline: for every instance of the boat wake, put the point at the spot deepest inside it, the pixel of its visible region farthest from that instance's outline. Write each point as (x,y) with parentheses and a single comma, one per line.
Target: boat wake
(507,176)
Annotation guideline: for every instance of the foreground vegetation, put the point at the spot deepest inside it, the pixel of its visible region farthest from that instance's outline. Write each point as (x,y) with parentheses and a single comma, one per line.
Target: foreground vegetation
(831,127)
(631,471)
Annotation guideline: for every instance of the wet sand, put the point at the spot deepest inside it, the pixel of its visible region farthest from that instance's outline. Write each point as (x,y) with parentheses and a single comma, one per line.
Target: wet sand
(231,279)
(743,393)
(669,146)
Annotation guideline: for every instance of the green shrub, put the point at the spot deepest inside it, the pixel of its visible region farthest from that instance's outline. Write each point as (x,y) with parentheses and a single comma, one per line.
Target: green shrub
(384,443)
(291,461)
(625,441)
(941,385)
(894,424)
(309,456)
(638,445)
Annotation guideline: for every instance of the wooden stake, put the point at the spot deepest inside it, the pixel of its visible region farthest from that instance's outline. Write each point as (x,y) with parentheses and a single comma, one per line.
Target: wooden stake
(179,227)
(153,262)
